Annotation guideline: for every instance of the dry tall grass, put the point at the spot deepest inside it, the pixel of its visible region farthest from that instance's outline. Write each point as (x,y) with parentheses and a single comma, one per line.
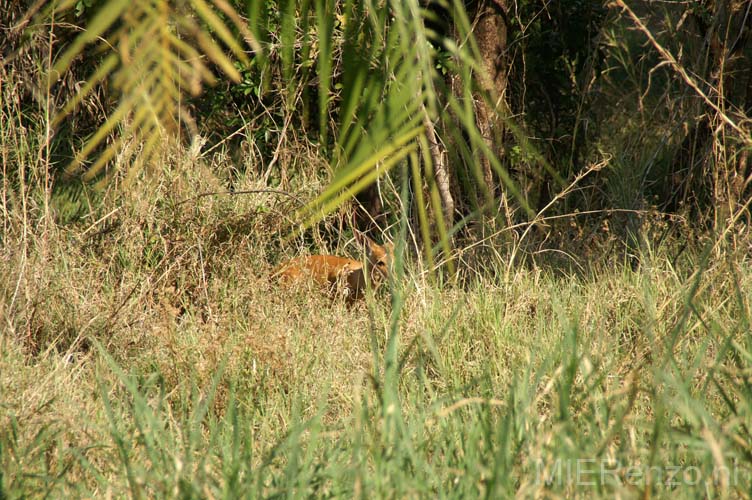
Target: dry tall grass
(178,295)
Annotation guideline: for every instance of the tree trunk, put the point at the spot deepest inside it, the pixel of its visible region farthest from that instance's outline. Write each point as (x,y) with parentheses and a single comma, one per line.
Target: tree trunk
(438,157)
(491,35)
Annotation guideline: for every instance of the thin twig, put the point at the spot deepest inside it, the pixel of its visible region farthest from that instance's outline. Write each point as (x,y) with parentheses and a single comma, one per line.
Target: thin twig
(244,191)
(607,211)
(671,60)
(539,217)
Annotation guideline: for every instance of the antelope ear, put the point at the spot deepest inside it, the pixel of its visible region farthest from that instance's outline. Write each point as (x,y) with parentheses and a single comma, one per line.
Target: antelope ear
(359,237)
(362,239)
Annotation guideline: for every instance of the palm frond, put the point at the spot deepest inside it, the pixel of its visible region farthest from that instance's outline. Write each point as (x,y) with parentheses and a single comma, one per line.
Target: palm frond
(156,54)
(393,104)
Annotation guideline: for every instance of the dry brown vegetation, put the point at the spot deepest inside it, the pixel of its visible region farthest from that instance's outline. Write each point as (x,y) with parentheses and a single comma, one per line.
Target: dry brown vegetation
(187,314)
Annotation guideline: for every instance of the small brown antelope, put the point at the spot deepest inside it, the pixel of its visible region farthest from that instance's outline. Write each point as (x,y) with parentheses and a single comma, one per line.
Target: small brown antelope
(340,274)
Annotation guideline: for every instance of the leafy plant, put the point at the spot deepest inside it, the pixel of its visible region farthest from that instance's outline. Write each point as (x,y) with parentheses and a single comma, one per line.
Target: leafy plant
(153,57)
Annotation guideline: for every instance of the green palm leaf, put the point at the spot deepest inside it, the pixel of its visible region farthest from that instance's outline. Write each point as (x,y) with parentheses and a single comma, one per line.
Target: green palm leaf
(156,54)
